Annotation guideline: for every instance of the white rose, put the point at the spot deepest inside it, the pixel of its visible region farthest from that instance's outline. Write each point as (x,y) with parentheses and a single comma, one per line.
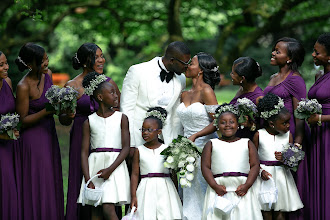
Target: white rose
(181,164)
(183,182)
(190,176)
(188,184)
(170,159)
(190,159)
(190,167)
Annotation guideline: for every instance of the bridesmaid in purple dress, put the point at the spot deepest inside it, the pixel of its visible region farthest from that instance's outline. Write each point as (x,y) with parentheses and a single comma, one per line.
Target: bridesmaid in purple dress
(90,58)
(9,208)
(319,157)
(288,54)
(245,70)
(41,170)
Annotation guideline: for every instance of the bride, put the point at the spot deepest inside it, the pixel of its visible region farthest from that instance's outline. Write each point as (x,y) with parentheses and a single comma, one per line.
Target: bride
(196,112)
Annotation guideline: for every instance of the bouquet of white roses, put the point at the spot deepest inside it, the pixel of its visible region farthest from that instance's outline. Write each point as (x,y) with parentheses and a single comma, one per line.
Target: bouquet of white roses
(61,98)
(291,155)
(307,107)
(8,123)
(181,156)
(246,107)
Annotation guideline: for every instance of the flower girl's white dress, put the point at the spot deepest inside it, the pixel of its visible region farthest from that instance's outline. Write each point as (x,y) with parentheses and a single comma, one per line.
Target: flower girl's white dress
(231,159)
(105,139)
(156,194)
(288,196)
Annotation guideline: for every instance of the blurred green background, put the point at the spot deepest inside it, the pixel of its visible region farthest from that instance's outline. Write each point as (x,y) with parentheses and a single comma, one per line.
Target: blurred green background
(131,32)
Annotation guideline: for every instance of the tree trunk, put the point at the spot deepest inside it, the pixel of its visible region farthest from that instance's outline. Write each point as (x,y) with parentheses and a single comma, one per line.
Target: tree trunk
(174,25)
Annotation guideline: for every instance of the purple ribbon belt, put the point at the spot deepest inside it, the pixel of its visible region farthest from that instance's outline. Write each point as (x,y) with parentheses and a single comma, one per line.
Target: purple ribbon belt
(156,175)
(105,150)
(230,174)
(271,163)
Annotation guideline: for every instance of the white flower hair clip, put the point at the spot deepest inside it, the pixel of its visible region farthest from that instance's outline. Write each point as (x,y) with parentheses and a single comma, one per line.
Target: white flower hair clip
(277,108)
(76,57)
(215,69)
(89,90)
(21,61)
(158,115)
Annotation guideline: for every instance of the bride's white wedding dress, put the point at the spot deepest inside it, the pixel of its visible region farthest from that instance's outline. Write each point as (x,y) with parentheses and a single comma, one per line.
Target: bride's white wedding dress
(194,118)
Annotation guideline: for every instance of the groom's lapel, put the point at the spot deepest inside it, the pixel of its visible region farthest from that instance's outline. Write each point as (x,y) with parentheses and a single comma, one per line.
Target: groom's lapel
(176,92)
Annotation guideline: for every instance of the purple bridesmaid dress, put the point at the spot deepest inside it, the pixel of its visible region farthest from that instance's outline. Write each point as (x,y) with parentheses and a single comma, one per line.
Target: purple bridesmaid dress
(246,132)
(9,208)
(85,107)
(319,157)
(42,184)
(294,86)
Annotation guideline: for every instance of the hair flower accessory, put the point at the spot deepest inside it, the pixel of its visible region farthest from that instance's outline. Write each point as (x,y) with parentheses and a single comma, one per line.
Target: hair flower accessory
(277,108)
(76,57)
(158,115)
(215,69)
(89,90)
(221,109)
(20,60)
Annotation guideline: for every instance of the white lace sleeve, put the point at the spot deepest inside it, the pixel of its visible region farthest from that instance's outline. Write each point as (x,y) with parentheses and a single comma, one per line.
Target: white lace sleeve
(211,108)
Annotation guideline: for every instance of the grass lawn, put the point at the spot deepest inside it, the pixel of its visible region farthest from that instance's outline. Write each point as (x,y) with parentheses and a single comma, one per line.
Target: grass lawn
(224,94)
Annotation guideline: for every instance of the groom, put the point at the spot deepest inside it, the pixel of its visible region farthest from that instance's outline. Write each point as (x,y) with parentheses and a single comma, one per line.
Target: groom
(158,82)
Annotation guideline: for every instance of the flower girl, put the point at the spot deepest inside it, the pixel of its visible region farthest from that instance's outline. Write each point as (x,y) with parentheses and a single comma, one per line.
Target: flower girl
(106,131)
(270,141)
(156,196)
(230,166)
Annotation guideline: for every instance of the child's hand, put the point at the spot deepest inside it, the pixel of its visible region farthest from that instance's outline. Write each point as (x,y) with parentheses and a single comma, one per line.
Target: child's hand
(265,175)
(278,155)
(105,173)
(134,202)
(241,190)
(220,190)
(91,185)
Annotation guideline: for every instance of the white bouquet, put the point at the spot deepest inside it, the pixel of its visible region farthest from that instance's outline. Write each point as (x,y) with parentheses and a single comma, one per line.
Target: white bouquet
(307,107)
(181,156)
(61,98)
(245,107)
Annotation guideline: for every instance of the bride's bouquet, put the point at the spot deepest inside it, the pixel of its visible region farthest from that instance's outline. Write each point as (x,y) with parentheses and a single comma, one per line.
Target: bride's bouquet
(307,107)
(291,155)
(8,123)
(61,99)
(181,156)
(245,108)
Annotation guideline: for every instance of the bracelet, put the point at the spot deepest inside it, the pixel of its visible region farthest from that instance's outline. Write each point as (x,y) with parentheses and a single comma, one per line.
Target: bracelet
(319,122)
(298,145)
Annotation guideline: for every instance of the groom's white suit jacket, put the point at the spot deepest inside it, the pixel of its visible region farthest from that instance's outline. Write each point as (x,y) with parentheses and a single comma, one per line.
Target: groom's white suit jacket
(139,93)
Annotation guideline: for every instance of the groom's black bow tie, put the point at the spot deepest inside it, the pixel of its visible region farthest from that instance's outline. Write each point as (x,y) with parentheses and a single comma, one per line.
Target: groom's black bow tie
(165,75)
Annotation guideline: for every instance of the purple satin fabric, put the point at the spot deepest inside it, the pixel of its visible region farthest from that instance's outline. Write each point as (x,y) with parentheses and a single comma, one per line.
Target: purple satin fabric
(271,163)
(319,156)
(230,174)
(156,175)
(105,150)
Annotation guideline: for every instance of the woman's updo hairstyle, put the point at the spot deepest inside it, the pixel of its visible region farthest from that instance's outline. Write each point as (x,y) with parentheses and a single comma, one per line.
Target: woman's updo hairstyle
(247,67)
(208,65)
(88,80)
(85,56)
(28,53)
(324,39)
(295,51)
(268,103)
(157,113)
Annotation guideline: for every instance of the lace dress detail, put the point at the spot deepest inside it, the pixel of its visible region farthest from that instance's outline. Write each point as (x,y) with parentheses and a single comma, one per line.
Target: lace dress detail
(194,118)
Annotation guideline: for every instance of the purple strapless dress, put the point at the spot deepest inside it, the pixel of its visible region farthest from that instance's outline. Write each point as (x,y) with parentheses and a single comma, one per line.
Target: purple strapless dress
(9,201)
(246,132)
(294,86)
(42,184)
(319,157)
(85,107)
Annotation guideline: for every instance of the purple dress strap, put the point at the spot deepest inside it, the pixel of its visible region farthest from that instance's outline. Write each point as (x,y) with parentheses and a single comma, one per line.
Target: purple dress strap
(319,156)
(9,196)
